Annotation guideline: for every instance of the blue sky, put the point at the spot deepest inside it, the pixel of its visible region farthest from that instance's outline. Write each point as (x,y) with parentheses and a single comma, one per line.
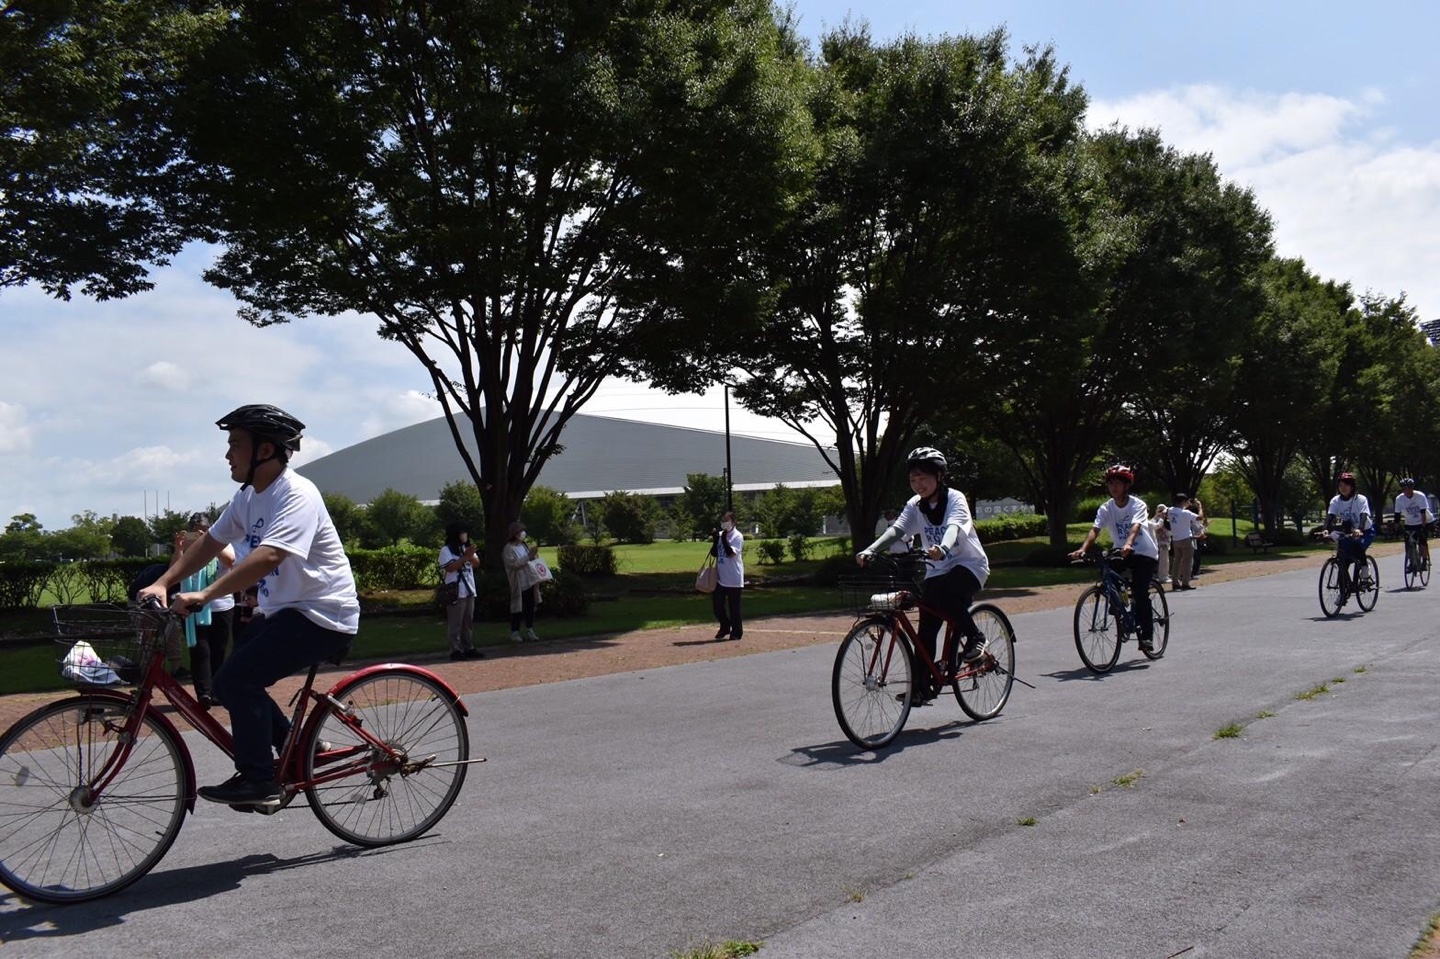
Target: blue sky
(1320,108)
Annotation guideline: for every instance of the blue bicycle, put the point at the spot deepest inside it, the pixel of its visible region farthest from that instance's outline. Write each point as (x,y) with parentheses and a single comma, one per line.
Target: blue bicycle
(1105,619)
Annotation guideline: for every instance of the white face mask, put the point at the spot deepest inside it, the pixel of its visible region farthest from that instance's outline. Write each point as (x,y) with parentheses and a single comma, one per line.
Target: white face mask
(522,536)
(727,526)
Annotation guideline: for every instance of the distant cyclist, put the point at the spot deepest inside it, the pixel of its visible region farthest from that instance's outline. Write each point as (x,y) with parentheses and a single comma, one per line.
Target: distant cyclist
(1126,519)
(1414,509)
(308,608)
(958,565)
(1351,526)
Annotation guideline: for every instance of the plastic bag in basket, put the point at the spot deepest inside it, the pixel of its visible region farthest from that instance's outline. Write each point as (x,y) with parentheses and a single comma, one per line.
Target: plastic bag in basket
(81,665)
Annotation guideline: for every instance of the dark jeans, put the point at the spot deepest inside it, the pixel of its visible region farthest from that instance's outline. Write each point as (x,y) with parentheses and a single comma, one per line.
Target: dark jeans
(527,610)
(1142,571)
(950,593)
(208,653)
(1352,552)
(271,648)
(726,603)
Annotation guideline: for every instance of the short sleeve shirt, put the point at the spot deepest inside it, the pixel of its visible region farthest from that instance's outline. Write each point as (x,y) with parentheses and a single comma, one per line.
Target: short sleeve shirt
(967,550)
(1353,509)
(314,577)
(1412,508)
(1118,520)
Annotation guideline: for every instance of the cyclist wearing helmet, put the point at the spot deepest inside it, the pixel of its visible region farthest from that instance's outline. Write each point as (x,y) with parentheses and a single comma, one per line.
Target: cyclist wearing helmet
(957,567)
(1127,519)
(1414,509)
(308,608)
(1351,526)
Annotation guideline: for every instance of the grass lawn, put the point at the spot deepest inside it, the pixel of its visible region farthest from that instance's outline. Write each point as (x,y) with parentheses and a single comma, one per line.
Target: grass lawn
(654,589)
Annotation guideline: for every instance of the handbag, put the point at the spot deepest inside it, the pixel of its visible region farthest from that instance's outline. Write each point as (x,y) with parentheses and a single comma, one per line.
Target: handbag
(708,577)
(450,593)
(539,572)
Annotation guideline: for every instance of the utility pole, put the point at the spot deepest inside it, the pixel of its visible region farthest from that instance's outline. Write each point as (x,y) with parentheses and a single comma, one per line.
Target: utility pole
(729,473)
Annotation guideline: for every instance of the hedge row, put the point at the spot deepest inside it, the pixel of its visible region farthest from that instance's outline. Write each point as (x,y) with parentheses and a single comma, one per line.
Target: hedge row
(23,585)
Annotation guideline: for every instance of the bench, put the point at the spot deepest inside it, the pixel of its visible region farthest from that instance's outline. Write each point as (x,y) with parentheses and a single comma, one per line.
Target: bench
(1257,543)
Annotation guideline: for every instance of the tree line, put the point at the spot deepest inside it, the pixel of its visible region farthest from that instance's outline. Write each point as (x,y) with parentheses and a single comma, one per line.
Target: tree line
(908,240)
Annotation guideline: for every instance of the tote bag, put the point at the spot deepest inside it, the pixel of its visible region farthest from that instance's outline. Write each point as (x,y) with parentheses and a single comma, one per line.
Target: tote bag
(708,577)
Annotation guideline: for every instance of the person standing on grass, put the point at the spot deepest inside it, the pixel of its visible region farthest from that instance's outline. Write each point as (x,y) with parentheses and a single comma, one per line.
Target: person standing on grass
(727,546)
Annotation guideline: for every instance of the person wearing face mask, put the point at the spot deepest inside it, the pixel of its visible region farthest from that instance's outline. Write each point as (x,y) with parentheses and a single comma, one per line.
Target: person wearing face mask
(524,586)
(458,562)
(727,547)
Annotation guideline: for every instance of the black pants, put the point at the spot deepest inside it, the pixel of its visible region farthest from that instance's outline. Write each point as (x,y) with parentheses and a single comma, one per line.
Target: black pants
(208,653)
(950,593)
(1142,570)
(527,610)
(726,603)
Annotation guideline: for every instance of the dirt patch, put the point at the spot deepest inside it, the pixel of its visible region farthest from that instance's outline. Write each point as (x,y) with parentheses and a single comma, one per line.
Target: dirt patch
(527,664)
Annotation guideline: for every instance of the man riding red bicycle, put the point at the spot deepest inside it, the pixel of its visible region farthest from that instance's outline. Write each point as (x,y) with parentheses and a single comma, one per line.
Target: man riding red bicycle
(308,607)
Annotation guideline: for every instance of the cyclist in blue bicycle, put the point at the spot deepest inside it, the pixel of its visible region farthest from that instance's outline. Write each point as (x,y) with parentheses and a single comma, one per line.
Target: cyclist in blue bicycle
(1352,527)
(957,567)
(1414,509)
(1125,518)
(308,608)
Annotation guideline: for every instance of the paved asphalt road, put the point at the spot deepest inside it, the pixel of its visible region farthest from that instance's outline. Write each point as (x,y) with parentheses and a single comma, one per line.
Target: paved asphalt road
(645,814)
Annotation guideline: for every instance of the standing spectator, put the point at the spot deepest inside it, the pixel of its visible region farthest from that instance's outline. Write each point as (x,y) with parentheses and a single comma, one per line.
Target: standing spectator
(1182,542)
(210,630)
(458,562)
(728,547)
(1160,530)
(524,586)
(1201,530)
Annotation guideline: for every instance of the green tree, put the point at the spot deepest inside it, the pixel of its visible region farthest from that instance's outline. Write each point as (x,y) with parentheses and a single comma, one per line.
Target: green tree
(461,503)
(508,189)
(131,536)
(23,540)
(165,526)
(629,517)
(394,517)
(1287,369)
(549,517)
(699,505)
(908,255)
(84,138)
(349,518)
(89,537)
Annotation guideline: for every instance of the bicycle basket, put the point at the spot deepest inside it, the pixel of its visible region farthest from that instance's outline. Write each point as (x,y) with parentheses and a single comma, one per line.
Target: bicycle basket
(105,645)
(871,593)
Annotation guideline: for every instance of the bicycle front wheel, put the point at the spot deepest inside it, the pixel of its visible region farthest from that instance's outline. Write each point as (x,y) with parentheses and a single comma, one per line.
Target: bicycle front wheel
(1097,639)
(982,690)
(1331,595)
(1160,617)
(1412,566)
(387,795)
(871,683)
(1367,591)
(1424,572)
(59,843)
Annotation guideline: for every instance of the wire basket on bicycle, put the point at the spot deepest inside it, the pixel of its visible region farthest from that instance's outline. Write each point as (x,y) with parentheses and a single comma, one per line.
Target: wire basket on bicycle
(891,581)
(105,645)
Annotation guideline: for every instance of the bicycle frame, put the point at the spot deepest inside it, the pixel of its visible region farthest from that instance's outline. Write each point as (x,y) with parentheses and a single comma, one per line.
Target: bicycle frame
(949,650)
(290,769)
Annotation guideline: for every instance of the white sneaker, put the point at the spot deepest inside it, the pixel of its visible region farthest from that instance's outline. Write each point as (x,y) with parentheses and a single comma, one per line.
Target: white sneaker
(515,637)
(530,636)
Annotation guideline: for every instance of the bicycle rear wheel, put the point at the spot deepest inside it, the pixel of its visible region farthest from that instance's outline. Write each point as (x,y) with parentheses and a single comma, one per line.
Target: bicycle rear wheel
(1097,637)
(984,693)
(871,683)
(1367,591)
(1331,595)
(57,843)
(387,799)
(1160,618)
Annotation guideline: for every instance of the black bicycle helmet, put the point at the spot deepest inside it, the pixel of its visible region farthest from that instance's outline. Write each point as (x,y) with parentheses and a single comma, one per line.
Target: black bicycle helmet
(268,423)
(1408,481)
(927,458)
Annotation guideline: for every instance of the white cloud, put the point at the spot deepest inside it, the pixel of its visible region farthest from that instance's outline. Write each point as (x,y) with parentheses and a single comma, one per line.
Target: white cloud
(14,431)
(167,376)
(1349,197)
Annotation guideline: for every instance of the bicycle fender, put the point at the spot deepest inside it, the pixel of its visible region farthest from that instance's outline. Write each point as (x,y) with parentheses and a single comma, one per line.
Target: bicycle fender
(400,668)
(120,699)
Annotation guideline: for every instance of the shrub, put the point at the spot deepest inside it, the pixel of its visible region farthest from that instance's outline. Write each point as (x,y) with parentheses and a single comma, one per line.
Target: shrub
(22,583)
(771,551)
(395,567)
(1011,526)
(630,517)
(799,547)
(1049,556)
(564,596)
(583,560)
(1084,510)
(831,568)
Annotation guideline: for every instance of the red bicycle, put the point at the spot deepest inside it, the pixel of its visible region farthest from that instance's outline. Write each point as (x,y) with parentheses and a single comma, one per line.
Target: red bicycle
(871,685)
(94,788)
